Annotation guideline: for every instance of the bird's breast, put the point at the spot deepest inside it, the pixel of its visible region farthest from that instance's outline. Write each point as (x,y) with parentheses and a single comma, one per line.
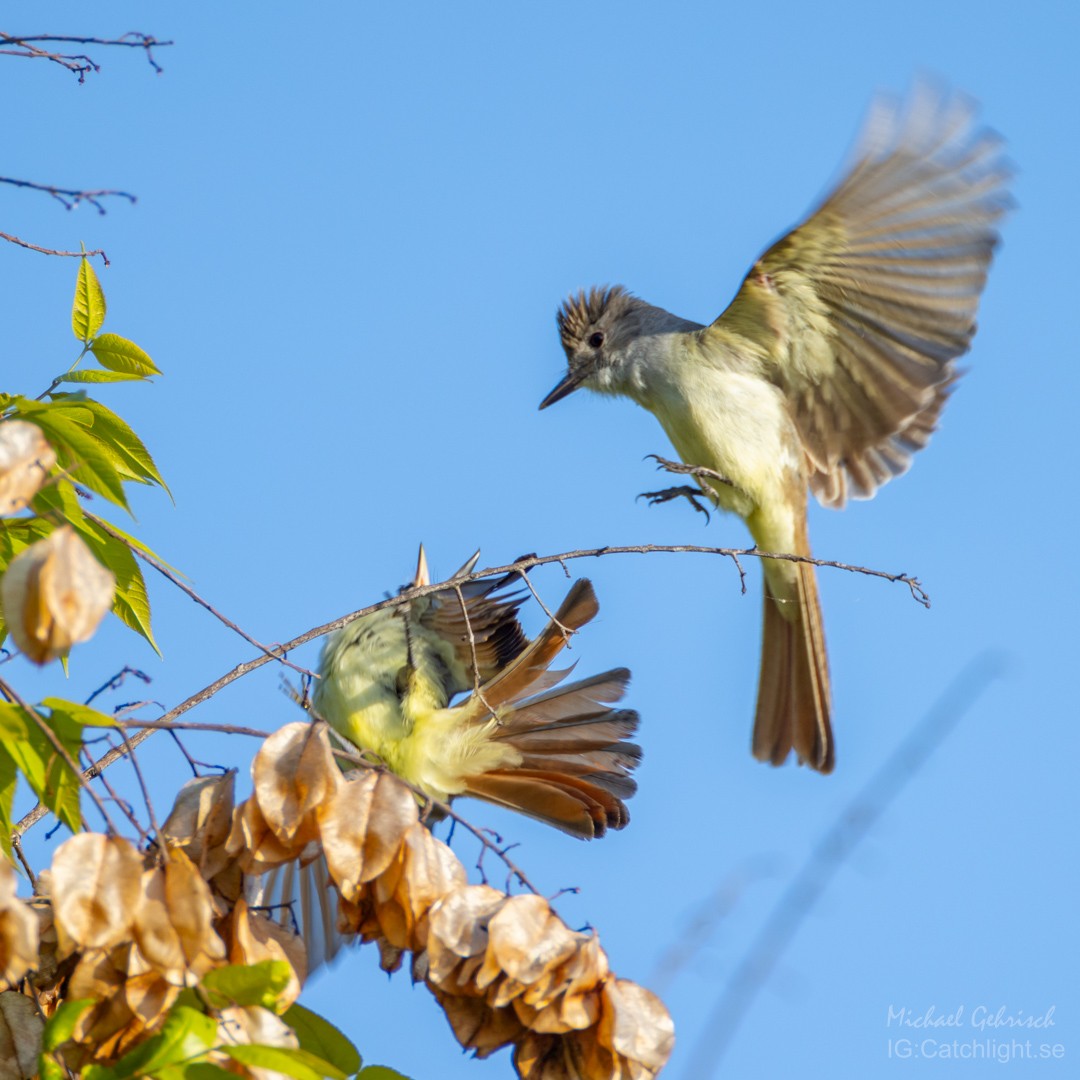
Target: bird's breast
(720,414)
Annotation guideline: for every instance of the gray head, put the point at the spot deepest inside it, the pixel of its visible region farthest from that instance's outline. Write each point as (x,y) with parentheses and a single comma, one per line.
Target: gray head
(595,328)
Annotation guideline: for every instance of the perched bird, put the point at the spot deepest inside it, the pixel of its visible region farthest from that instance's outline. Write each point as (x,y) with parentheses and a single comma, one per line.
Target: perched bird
(828,370)
(522,738)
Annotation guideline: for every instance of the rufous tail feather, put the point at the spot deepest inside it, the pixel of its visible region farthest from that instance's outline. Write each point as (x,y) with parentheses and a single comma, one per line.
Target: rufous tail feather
(794,708)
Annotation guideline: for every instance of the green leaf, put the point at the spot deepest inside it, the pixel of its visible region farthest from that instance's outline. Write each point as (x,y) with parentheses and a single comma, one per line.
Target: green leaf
(59,500)
(50,777)
(62,1023)
(93,375)
(320,1037)
(74,713)
(88,310)
(131,604)
(380,1072)
(249,984)
(8,776)
(118,354)
(50,1069)
(131,455)
(296,1063)
(194,1070)
(186,1034)
(17,534)
(80,451)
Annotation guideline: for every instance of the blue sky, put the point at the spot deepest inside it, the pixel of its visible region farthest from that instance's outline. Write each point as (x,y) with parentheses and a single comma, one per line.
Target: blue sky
(354,225)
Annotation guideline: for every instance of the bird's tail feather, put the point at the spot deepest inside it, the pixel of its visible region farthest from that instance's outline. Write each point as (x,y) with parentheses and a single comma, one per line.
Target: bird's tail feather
(573,760)
(793,709)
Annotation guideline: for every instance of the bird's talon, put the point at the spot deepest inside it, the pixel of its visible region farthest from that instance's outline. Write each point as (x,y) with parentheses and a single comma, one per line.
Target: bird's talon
(691,494)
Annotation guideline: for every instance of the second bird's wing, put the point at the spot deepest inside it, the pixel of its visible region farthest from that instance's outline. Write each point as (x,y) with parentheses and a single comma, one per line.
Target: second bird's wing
(858,313)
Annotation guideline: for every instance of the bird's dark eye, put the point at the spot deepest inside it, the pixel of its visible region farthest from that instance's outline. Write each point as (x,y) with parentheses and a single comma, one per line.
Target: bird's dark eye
(596,340)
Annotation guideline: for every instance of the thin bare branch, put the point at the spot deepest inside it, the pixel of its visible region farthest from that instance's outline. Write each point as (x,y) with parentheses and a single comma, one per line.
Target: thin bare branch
(472,651)
(80,65)
(129,752)
(16,846)
(69,198)
(9,692)
(566,632)
(117,681)
(54,251)
(274,653)
(524,563)
(830,853)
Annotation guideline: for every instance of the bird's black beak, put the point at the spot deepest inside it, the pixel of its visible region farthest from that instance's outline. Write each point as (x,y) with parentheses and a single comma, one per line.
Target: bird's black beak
(571,381)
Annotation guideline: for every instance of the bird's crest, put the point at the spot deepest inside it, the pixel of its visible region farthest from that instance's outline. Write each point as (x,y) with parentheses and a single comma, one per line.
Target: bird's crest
(579,312)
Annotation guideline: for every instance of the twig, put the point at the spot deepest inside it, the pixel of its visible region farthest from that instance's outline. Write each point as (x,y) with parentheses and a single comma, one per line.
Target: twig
(16,845)
(69,198)
(477,690)
(123,804)
(191,725)
(117,681)
(566,632)
(79,64)
(139,553)
(130,754)
(60,749)
(54,251)
(830,853)
(524,563)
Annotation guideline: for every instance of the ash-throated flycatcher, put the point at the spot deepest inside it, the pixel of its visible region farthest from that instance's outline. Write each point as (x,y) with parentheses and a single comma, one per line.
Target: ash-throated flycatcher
(520,738)
(829,369)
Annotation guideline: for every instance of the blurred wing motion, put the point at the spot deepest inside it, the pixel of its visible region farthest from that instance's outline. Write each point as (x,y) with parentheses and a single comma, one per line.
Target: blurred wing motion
(520,738)
(859,312)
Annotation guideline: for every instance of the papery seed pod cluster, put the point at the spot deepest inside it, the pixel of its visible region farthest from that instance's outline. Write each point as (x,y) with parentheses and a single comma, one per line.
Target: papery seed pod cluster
(132,929)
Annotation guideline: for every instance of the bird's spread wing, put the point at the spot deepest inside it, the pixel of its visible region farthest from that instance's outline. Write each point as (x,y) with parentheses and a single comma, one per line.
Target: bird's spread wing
(484,610)
(858,313)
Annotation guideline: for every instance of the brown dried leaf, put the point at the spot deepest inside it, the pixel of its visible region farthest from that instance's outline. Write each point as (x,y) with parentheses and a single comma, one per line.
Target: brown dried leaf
(21,1026)
(254,1024)
(458,937)
(96,888)
(567,998)
(25,461)
(99,973)
(527,939)
(253,938)
(294,774)
(549,1057)
(158,942)
(476,1025)
(254,844)
(149,997)
(173,926)
(19,929)
(200,821)
(363,825)
(54,594)
(635,1024)
(191,911)
(429,871)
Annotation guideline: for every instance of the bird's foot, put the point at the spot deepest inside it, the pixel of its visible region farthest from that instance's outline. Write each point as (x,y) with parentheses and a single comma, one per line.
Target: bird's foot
(691,494)
(698,472)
